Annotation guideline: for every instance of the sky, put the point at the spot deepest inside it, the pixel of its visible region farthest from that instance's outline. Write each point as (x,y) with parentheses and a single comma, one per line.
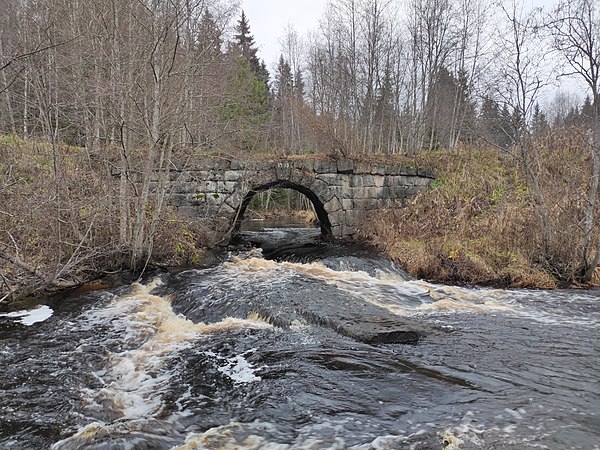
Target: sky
(269,18)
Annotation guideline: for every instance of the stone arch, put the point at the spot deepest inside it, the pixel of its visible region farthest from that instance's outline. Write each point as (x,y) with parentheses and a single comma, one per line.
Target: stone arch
(314,199)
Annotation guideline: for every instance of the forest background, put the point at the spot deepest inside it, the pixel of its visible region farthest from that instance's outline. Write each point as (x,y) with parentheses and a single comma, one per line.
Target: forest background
(97,97)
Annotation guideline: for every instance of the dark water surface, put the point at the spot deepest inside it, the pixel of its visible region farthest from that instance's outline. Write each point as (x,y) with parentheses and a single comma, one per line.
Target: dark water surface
(244,355)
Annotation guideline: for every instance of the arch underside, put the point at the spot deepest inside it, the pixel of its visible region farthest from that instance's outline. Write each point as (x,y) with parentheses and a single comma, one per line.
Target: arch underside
(314,199)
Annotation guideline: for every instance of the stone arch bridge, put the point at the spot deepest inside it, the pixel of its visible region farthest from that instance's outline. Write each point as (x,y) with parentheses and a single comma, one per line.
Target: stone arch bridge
(343,192)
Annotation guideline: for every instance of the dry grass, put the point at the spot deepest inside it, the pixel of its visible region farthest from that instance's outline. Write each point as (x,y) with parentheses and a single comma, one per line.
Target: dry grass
(476,224)
(59,219)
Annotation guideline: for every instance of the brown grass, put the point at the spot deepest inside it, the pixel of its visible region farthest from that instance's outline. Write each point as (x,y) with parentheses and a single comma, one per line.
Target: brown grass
(59,219)
(476,224)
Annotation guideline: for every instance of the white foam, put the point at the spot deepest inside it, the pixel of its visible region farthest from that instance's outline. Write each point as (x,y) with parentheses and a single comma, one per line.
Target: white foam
(31,316)
(237,368)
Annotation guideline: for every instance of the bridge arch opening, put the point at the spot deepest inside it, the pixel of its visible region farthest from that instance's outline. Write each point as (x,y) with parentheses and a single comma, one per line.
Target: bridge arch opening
(322,216)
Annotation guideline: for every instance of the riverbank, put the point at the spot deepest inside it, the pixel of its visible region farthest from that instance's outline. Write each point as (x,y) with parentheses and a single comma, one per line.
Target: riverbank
(476,225)
(66,220)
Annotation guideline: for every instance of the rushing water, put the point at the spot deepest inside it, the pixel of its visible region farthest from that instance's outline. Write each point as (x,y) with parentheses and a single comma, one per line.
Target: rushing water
(247,354)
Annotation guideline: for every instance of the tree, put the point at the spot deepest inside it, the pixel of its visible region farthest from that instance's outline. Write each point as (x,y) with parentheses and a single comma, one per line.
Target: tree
(539,124)
(520,81)
(244,42)
(248,105)
(575,26)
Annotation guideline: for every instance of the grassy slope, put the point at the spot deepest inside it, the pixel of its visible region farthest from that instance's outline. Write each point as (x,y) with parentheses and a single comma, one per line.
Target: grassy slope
(474,226)
(60,231)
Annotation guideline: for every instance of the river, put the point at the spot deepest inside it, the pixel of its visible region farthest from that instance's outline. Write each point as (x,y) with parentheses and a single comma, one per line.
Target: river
(265,351)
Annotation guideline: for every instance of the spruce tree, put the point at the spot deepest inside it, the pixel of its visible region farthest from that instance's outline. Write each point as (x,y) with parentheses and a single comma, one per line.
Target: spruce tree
(284,81)
(209,37)
(587,111)
(244,41)
(299,85)
(539,124)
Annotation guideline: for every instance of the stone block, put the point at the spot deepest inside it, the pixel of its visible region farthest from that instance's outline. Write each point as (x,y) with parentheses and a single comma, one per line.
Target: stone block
(422,182)
(409,171)
(215,198)
(337,218)
(347,203)
(233,175)
(373,192)
(212,164)
(354,218)
(198,175)
(379,180)
(234,200)
(377,169)
(332,179)
(366,204)
(226,186)
(336,230)
(185,188)
(398,192)
(208,186)
(356,180)
(392,169)
(345,166)
(425,173)
(325,167)
(398,180)
(333,206)
(368,180)
(321,190)
(226,210)
(283,170)
(306,165)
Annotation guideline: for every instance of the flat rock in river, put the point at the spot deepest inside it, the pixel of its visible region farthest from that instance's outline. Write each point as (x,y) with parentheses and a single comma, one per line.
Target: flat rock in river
(361,320)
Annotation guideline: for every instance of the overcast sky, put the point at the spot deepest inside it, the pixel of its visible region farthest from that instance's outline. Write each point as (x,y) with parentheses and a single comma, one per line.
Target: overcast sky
(269,18)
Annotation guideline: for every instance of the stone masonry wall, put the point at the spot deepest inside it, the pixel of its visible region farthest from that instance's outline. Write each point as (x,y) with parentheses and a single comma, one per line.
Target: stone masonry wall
(213,190)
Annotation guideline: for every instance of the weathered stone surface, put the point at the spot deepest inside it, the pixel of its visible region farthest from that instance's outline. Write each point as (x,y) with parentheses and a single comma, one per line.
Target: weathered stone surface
(409,171)
(283,170)
(233,175)
(325,167)
(367,181)
(345,166)
(347,203)
(362,168)
(213,190)
(333,205)
(332,179)
(378,169)
(379,180)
